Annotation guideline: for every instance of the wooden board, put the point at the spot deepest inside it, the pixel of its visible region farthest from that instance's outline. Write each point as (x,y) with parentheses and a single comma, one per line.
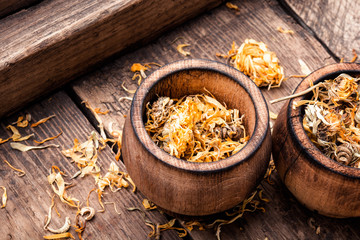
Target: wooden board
(29,197)
(335,23)
(210,34)
(214,32)
(51,43)
(11,6)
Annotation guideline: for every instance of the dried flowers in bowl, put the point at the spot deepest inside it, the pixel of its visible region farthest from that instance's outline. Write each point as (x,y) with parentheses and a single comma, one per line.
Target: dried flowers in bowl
(197,128)
(195,188)
(332,118)
(316,140)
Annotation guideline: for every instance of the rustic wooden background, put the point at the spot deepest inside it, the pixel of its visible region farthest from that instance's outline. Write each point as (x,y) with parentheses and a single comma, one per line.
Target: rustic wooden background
(325,31)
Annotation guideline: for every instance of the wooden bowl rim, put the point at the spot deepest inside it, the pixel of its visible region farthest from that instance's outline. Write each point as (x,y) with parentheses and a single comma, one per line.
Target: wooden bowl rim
(209,65)
(297,132)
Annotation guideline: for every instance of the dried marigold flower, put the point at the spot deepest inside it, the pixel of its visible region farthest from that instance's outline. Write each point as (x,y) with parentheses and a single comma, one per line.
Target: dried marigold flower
(332,117)
(196,128)
(255,60)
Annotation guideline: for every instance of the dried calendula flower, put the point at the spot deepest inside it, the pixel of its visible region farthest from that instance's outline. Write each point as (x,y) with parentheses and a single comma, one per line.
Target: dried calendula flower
(196,128)
(255,60)
(332,116)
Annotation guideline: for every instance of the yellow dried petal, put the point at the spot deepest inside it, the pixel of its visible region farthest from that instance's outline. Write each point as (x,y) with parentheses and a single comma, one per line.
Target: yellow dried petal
(128,90)
(232,6)
(25,148)
(21,172)
(42,121)
(148,205)
(48,139)
(180,49)
(59,236)
(137,67)
(4,197)
(255,60)
(273,116)
(287,31)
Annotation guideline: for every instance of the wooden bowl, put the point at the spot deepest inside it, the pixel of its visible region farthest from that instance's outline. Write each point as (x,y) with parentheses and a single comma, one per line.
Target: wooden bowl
(190,188)
(320,183)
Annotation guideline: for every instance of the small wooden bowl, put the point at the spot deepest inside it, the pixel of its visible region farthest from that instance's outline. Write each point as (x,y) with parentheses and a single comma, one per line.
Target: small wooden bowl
(188,188)
(320,183)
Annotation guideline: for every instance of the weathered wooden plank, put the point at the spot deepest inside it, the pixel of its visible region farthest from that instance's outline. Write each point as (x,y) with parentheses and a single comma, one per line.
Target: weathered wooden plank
(214,32)
(11,6)
(208,34)
(47,45)
(29,197)
(336,23)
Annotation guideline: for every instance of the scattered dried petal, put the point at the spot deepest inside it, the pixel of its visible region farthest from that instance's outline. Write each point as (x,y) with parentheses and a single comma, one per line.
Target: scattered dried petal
(127,90)
(98,111)
(354,57)
(25,148)
(63,229)
(232,6)
(273,116)
(59,236)
(48,139)
(287,31)
(42,121)
(114,207)
(4,140)
(89,211)
(4,197)
(180,49)
(57,183)
(101,125)
(20,172)
(148,205)
(125,98)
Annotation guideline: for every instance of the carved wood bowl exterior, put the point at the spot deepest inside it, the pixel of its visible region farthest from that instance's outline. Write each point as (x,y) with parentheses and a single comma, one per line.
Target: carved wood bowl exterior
(318,182)
(188,188)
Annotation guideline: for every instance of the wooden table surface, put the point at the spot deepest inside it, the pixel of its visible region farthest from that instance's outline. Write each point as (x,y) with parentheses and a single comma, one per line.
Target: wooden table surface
(324,32)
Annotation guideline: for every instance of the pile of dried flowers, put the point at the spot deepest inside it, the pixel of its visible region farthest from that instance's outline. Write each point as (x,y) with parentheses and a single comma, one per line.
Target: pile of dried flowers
(197,128)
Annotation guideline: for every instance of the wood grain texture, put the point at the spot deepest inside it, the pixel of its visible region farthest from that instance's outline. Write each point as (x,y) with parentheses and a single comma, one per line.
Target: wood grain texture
(214,32)
(317,181)
(336,23)
(173,184)
(48,45)
(29,197)
(11,6)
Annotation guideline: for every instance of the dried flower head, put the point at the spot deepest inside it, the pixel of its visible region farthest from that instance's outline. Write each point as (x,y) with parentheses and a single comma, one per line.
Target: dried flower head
(255,60)
(332,118)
